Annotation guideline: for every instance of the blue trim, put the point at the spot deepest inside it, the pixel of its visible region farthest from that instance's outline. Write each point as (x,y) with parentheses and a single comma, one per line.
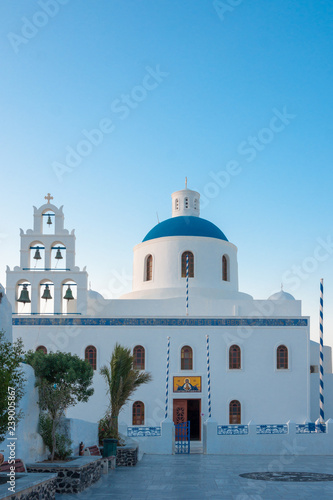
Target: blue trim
(185,226)
(44,269)
(143,431)
(232,430)
(64,321)
(272,429)
(310,428)
(48,314)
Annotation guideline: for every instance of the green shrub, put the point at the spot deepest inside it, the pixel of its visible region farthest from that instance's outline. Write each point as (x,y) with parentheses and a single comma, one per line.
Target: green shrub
(106,430)
(45,429)
(12,381)
(63,446)
(63,443)
(63,380)
(122,381)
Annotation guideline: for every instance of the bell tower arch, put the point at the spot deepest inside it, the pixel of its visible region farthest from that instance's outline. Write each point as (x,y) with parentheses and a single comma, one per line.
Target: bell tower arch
(47,262)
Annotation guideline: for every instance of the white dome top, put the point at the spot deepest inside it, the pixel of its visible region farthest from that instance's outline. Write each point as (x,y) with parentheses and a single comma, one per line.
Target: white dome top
(185,202)
(92,294)
(281,296)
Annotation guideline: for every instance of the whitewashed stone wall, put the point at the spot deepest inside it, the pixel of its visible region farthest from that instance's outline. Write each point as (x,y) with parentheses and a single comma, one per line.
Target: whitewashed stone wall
(282,441)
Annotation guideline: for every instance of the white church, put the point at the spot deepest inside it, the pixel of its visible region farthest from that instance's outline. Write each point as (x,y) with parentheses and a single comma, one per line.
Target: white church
(238,367)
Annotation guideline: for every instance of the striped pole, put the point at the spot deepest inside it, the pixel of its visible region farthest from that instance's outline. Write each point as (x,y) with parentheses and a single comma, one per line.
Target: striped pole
(187,284)
(167,380)
(321,357)
(208,378)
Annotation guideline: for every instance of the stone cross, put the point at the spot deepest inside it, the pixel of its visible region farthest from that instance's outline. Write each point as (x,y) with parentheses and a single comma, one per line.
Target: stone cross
(48,197)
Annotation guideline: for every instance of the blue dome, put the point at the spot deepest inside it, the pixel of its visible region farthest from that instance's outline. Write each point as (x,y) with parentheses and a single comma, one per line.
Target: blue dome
(185,226)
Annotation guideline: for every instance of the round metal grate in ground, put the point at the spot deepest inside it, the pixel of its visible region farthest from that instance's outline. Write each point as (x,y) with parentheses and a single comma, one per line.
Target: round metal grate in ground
(297,477)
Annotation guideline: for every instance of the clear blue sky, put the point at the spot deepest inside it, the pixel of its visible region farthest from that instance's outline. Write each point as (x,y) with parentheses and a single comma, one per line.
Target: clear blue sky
(224,77)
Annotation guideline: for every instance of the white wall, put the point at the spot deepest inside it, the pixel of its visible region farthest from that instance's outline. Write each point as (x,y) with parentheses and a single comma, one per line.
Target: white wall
(269,444)
(79,430)
(266,394)
(314,356)
(156,445)
(167,254)
(5,315)
(201,304)
(29,444)
(328,396)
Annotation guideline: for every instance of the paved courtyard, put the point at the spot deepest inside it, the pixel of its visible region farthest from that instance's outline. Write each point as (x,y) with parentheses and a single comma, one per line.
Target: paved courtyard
(196,477)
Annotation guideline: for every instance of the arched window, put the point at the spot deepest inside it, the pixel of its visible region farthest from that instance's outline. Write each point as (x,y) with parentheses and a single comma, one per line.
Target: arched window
(42,348)
(139,357)
(48,222)
(37,255)
(23,297)
(91,355)
(225,268)
(186,202)
(138,417)
(149,268)
(58,256)
(282,357)
(46,297)
(234,412)
(69,297)
(190,264)
(234,357)
(186,358)
(176,204)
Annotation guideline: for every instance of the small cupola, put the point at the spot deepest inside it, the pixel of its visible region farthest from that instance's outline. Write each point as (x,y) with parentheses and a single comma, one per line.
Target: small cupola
(185,202)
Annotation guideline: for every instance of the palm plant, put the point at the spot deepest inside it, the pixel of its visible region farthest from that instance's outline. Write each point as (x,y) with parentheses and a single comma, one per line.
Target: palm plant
(122,381)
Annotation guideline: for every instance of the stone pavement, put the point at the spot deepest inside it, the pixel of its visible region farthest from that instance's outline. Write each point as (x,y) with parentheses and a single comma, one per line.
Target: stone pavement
(197,477)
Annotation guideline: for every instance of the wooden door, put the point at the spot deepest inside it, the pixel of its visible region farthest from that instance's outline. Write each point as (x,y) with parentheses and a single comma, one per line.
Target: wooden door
(179,411)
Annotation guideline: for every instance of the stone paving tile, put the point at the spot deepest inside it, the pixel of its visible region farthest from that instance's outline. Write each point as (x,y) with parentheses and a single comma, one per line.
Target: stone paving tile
(201,477)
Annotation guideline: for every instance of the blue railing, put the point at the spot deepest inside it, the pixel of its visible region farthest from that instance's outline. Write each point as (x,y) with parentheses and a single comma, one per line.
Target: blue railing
(143,431)
(310,428)
(46,314)
(182,438)
(232,430)
(238,430)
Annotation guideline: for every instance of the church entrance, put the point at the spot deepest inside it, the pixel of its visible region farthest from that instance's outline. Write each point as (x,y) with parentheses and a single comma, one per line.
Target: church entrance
(188,409)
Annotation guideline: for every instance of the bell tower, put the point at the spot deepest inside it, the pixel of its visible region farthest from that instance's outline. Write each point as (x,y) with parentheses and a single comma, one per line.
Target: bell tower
(47,282)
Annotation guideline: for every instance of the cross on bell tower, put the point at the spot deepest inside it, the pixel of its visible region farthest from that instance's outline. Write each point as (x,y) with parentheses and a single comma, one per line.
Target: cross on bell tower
(48,197)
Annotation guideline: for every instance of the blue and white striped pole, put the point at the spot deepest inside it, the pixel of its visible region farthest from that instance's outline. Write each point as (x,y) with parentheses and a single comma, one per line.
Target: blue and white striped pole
(167,380)
(187,284)
(208,378)
(321,357)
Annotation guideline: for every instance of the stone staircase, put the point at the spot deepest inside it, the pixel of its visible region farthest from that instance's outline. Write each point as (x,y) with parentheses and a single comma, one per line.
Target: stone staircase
(196,447)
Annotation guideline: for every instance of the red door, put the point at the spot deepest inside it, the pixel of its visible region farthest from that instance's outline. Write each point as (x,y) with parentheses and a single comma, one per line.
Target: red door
(179,412)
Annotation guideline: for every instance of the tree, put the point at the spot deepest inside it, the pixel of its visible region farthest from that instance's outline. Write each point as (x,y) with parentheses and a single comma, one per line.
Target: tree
(63,380)
(122,381)
(63,442)
(11,383)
